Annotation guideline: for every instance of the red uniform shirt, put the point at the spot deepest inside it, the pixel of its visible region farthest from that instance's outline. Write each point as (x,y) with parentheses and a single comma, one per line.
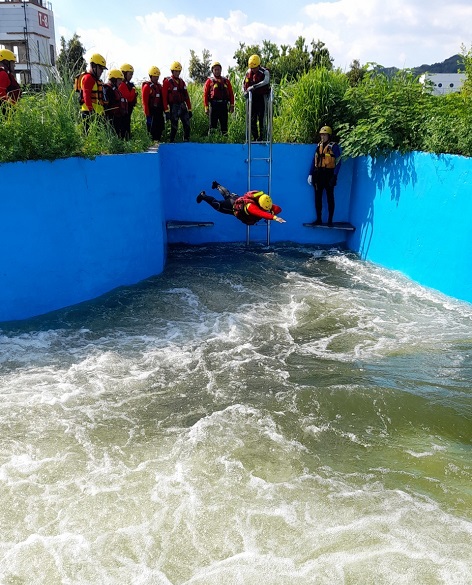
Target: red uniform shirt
(174,91)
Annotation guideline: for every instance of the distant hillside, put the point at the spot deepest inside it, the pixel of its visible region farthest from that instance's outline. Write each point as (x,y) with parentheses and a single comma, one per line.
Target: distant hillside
(454,64)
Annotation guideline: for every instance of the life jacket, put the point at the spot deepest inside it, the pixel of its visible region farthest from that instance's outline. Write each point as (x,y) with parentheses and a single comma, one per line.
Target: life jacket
(253,77)
(117,105)
(324,156)
(219,89)
(240,207)
(155,97)
(13,90)
(132,92)
(178,94)
(97,92)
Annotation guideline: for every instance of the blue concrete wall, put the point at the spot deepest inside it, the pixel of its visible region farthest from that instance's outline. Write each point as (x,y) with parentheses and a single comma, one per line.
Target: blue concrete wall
(413,214)
(189,168)
(77,228)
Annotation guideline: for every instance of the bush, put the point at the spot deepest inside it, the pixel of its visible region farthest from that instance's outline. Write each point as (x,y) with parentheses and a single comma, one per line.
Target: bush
(379,115)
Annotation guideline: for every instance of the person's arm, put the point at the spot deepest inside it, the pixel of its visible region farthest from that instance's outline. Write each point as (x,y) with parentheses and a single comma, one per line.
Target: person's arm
(145,92)
(337,151)
(88,82)
(231,96)
(254,209)
(4,83)
(206,95)
(187,99)
(165,95)
(265,81)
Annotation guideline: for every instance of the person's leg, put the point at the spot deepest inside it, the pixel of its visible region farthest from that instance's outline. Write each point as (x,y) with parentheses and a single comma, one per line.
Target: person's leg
(157,125)
(330,199)
(223,190)
(223,117)
(318,203)
(225,206)
(174,121)
(185,119)
(213,117)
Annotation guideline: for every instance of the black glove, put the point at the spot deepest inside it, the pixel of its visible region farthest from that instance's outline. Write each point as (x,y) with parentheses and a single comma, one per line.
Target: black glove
(167,116)
(334,181)
(215,185)
(190,114)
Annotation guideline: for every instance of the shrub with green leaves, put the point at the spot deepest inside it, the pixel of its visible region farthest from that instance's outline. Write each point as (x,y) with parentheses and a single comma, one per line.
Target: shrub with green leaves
(378,115)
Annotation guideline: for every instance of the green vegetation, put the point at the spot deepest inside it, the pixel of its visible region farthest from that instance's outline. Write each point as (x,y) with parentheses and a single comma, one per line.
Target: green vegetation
(371,111)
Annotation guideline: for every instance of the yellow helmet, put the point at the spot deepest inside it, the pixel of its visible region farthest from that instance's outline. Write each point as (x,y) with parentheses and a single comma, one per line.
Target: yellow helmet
(116,74)
(254,61)
(97,59)
(154,71)
(215,64)
(127,67)
(6,55)
(176,66)
(326,130)
(264,200)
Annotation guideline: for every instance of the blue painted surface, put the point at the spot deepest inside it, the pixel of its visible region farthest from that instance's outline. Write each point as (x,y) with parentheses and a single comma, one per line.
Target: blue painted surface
(189,168)
(75,229)
(413,214)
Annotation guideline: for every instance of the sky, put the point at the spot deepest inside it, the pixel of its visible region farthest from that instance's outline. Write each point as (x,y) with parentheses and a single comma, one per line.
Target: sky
(400,33)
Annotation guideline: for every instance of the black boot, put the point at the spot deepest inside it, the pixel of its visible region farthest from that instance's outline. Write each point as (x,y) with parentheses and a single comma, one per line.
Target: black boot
(201,196)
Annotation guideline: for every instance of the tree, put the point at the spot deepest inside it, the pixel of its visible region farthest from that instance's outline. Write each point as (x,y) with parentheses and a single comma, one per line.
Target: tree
(356,74)
(320,56)
(466,55)
(198,70)
(71,60)
(241,55)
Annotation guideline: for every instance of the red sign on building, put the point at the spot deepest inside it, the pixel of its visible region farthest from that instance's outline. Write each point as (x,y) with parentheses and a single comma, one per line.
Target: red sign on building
(43,19)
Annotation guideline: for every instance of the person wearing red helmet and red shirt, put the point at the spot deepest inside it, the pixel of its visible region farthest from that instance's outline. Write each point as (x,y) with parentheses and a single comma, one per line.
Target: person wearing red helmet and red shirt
(151,93)
(249,208)
(10,91)
(218,96)
(176,101)
(128,91)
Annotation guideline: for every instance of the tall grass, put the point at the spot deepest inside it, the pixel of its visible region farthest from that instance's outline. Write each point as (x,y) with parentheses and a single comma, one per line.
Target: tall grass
(377,116)
(302,107)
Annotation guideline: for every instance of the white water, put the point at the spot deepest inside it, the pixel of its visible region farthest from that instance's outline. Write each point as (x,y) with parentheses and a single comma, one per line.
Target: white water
(246,418)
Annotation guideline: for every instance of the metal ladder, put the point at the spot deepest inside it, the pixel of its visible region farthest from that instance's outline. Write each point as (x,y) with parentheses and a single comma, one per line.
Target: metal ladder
(259,168)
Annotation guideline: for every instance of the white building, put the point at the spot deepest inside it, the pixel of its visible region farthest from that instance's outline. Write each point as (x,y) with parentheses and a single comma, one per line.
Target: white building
(27,29)
(444,82)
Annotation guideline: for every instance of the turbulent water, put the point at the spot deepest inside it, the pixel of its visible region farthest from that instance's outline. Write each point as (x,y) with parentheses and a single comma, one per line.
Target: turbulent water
(273,417)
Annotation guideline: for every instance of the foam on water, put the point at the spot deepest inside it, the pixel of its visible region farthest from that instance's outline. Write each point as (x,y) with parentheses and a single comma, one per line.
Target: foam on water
(296,418)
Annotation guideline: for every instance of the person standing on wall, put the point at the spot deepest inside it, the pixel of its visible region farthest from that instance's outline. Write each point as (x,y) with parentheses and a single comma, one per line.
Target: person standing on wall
(176,102)
(257,81)
(128,91)
(151,93)
(218,96)
(324,172)
(10,91)
(91,89)
(116,107)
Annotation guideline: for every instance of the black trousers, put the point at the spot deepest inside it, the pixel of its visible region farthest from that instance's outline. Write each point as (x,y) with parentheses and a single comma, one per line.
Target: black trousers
(257,116)
(156,128)
(322,181)
(219,113)
(225,206)
(179,112)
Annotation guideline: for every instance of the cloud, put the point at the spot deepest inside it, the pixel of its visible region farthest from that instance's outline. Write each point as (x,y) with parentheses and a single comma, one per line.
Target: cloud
(399,33)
